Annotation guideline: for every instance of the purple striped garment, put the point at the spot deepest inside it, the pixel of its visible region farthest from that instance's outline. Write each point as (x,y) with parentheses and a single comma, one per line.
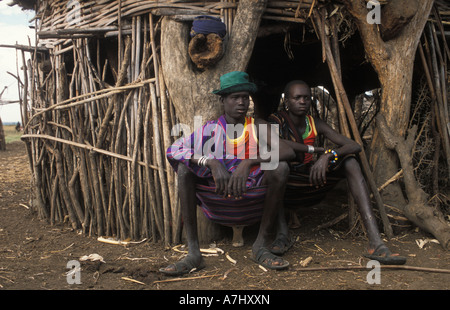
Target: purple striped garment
(210,140)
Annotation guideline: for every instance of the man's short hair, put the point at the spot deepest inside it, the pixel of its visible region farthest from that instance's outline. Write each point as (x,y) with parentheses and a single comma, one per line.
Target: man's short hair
(292,83)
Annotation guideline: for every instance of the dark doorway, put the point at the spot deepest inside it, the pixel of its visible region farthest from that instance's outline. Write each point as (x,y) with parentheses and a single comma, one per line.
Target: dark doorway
(297,54)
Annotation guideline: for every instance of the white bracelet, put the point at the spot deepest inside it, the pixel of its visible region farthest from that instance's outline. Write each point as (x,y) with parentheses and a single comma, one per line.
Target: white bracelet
(310,149)
(202,161)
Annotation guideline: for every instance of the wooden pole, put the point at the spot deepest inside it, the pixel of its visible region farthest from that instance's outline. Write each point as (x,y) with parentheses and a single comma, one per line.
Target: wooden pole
(440,88)
(159,160)
(340,93)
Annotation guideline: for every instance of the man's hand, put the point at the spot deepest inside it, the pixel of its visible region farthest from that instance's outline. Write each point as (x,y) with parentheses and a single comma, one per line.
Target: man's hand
(317,175)
(220,175)
(237,183)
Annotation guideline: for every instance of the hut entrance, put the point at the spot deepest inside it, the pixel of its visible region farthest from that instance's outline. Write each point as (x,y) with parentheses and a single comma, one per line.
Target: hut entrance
(279,58)
(296,53)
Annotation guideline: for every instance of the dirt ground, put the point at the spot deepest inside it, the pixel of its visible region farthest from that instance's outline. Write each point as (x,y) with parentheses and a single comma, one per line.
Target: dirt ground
(35,255)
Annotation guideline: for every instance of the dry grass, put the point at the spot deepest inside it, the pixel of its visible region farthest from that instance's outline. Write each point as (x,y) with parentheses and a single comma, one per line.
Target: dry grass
(11,135)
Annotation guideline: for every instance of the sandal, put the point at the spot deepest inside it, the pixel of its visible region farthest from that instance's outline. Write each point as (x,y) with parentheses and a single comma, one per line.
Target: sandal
(281,245)
(267,259)
(182,267)
(385,257)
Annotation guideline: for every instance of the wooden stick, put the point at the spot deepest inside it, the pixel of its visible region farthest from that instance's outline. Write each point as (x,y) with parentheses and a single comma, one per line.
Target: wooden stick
(155,212)
(119,35)
(394,178)
(186,279)
(340,92)
(439,87)
(387,267)
(332,222)
(133,280)
(25,48)
(89,148)
(442,30)
(435,108)
(166,126)
(66,103)
(159,160)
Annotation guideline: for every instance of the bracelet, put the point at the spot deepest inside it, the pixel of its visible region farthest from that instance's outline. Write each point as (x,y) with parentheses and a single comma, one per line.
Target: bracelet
(310,149)
(202,161)
(335,155)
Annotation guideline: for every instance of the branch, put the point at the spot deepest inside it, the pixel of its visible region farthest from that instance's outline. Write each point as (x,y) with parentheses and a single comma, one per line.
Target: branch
(392,267)
(403,149)
(369,32)
(87,147)
(243,34)
(26,48)
(417,210)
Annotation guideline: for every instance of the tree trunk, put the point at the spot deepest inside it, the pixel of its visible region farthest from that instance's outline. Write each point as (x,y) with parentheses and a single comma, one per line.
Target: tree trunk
(417,209)
(396,85)
(393,61)
(189,88)
(395,74)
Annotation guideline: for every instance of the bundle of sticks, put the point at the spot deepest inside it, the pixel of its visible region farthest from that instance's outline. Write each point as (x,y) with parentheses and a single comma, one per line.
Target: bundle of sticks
(97,148)
(61,20)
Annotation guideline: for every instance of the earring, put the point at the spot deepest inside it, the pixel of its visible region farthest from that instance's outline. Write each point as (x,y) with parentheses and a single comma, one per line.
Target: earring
(286,108)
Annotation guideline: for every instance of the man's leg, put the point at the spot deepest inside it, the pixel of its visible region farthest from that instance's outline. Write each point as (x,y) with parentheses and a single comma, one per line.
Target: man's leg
(275,180)
(188,204)
(358,188)
(283,242)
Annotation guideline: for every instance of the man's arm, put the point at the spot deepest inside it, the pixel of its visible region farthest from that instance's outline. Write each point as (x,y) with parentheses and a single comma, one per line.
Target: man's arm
(346,145)
(302,148)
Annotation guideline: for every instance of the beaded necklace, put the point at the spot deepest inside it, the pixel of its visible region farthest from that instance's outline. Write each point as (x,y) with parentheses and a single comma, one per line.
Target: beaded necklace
(307,128)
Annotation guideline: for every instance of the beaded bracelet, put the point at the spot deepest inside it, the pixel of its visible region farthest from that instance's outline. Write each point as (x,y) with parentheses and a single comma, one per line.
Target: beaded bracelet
(335,155)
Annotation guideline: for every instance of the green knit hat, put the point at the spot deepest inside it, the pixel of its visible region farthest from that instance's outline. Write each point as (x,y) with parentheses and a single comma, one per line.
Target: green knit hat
(233,82)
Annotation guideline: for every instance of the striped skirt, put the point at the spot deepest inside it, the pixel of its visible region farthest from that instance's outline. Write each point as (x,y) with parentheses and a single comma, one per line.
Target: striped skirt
(229,211)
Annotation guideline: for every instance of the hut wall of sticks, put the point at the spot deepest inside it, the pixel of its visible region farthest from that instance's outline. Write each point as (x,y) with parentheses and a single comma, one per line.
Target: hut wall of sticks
(97,115)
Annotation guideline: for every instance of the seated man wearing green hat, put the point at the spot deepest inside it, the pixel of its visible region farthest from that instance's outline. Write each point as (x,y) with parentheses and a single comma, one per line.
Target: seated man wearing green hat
(226,167)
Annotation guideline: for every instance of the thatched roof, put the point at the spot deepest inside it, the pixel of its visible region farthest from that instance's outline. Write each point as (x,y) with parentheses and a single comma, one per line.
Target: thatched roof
(443,5)
(65,14)
(60,20)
